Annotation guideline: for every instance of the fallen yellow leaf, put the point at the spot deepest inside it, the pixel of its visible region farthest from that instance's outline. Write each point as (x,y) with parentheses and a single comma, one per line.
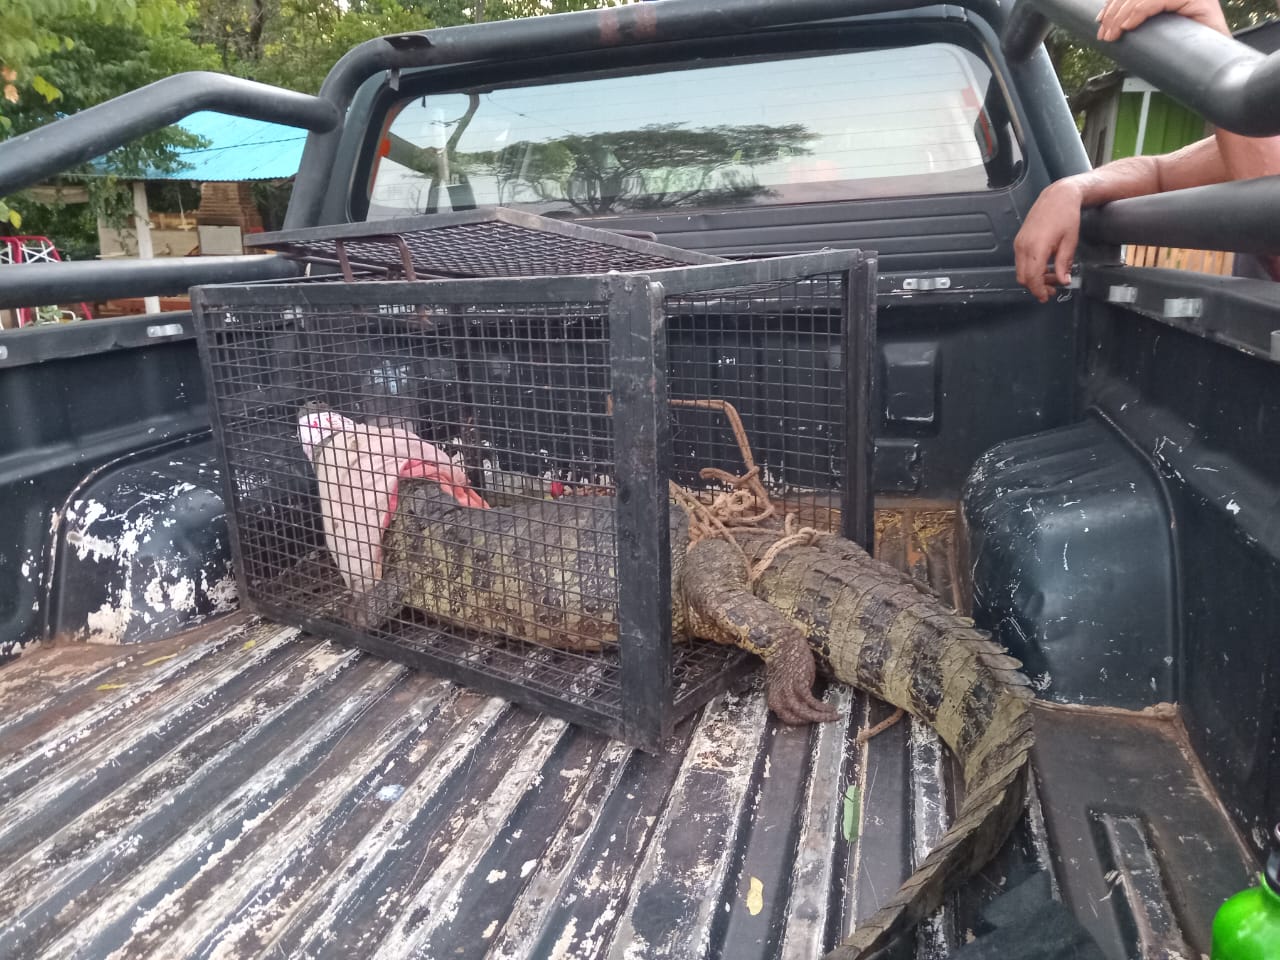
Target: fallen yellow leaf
(755,896)
(111,686)
(153,662)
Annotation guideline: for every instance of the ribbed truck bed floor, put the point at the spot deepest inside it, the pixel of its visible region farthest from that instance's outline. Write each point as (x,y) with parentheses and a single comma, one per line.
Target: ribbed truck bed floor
(244,790)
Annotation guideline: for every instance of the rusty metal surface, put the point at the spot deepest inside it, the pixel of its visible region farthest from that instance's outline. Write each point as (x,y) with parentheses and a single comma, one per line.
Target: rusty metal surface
(244,790)
(486,242)
(1143,849)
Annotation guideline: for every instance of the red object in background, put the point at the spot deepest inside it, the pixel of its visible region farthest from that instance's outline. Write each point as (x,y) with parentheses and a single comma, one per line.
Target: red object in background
(32,250)
(557,489)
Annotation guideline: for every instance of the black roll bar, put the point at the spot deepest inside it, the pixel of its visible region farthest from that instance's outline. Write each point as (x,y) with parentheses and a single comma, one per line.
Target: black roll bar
(23,284)
(1232,85)
(31,157)
(1239,217)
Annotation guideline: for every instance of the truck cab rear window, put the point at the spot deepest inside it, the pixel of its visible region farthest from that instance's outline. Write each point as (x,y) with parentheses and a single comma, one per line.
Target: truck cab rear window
(820,128)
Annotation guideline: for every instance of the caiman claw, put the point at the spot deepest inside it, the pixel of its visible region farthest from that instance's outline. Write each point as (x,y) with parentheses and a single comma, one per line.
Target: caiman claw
(789,676)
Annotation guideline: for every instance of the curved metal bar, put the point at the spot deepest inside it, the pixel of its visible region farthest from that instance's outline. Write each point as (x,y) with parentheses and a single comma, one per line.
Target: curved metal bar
(1230,84)
(51,149)
(30,284)
(559,34)
(1237,216)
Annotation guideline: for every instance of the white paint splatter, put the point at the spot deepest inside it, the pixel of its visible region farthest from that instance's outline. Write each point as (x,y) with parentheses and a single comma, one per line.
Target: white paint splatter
(154,595)
(1233,507)
(135,536)
(182,595)
(560,950)
(527,868)
(88,547)
(224,595)
(107,624)
(93,512)
(391,792)
(1064,558)
(495,876)
(490,930)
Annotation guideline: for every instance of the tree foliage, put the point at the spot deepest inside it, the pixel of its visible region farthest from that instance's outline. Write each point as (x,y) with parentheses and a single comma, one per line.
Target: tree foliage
(97,61)
(32,30)
(294,43)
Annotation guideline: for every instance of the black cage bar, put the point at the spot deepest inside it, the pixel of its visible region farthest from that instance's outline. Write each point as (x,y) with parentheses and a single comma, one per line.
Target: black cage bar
(565,404)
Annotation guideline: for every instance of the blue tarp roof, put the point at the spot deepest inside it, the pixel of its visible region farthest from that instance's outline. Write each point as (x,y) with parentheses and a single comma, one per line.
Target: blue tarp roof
(239,149)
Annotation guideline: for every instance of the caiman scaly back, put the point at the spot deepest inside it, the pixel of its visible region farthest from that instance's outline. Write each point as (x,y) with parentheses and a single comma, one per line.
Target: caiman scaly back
(544,571)
(874,628)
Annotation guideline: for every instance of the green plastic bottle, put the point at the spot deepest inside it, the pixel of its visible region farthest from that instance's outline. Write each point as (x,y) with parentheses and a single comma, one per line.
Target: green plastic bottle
(1247,927)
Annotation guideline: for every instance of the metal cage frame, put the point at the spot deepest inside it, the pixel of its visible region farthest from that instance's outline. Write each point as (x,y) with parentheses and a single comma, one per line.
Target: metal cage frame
(637,343)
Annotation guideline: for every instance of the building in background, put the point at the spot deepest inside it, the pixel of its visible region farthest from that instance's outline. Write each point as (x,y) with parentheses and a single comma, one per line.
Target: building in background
(241,157)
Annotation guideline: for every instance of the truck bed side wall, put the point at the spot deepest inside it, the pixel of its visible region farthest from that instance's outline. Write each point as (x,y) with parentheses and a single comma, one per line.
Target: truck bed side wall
(75,400)
(1208,417)
(1135,557)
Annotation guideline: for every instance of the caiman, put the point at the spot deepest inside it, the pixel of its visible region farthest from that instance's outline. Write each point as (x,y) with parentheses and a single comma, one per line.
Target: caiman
(542,570)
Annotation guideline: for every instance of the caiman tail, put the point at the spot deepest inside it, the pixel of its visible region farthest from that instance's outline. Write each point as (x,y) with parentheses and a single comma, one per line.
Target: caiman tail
(876,629)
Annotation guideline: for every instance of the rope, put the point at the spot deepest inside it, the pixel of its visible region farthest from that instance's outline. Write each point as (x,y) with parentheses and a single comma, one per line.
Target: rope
(735,423)
(728,510)
(732,508)
(703,521)
(747,494)
(746,504)
(793,537)
(867,733)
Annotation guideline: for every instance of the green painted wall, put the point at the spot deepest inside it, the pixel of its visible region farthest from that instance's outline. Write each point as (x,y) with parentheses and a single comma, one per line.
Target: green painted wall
(1169,125)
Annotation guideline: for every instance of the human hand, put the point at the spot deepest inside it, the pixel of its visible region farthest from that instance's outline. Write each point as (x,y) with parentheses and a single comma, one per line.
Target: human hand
(1117,16)
(1050,231)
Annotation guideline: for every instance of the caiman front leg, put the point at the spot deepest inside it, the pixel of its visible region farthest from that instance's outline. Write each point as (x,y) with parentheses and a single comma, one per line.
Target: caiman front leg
(720,606)
(369,611)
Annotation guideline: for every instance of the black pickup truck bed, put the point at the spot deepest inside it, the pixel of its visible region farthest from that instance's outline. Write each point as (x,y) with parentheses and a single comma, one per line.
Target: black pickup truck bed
(244,790)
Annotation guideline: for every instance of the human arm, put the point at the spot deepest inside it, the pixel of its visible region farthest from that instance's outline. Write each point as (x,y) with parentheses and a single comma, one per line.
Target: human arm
(1051,230)
(1244,157)
(1052,226)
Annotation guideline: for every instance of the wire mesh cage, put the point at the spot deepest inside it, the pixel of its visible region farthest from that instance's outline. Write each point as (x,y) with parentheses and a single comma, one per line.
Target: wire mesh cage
(471,476)
(485,242)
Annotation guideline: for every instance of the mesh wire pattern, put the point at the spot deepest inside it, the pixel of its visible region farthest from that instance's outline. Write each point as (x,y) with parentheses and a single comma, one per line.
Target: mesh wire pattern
(517,391)
(487,242)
